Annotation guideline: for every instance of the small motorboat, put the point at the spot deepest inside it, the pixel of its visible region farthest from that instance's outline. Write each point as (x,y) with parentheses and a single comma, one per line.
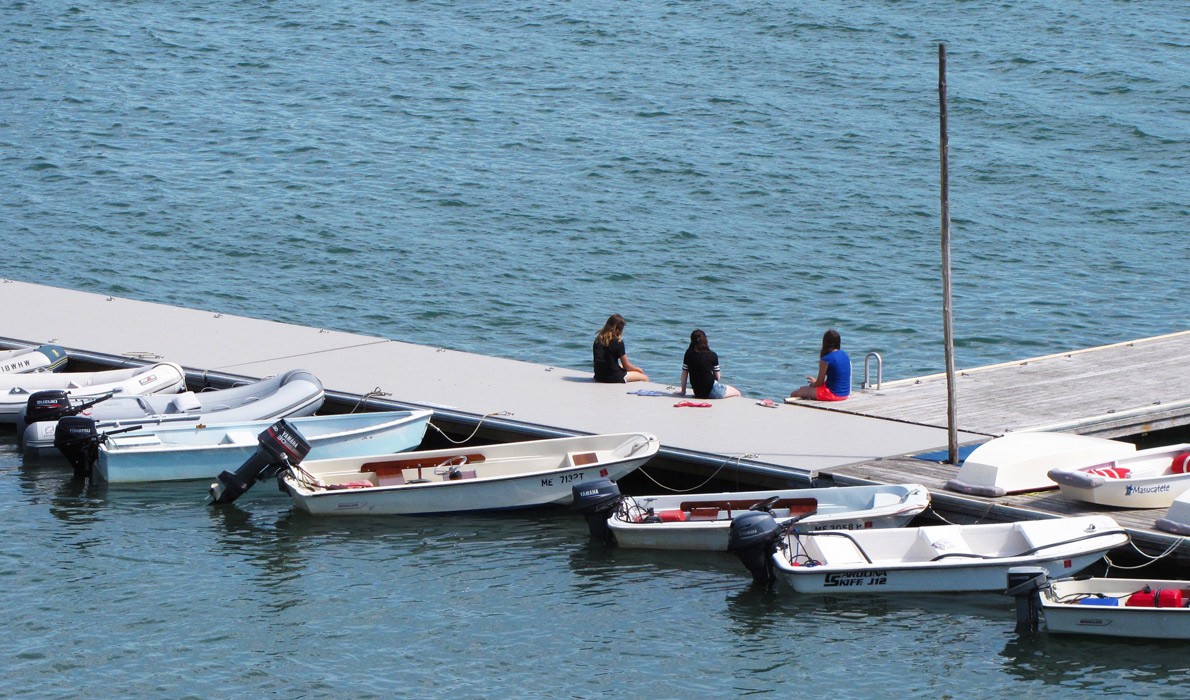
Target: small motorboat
(160,378)
(293,393)
(1177,518)
(702,521)
(465,479)
(1018,462)
(1150,478)
(1157,609)
(202,451)
(934,558)
(45,358)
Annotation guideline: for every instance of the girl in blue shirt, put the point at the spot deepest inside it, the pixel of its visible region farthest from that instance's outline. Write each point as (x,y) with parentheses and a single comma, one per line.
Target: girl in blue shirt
(833,382)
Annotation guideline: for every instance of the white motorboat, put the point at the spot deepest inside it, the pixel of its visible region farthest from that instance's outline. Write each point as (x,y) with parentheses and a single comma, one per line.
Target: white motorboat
(183,452)
(45,358)
(160,378)
(1019,462)
(702,521)
(1155,609)
(290,394)
(940,558)
(1177,518)
(465,479)
(1150,478)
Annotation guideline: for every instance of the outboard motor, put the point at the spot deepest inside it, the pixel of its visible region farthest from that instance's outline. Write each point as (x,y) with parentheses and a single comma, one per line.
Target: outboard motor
(596,500)
(1025,584)
(47,405)
(280,445)
(78,440)
(54,404)
(753,538)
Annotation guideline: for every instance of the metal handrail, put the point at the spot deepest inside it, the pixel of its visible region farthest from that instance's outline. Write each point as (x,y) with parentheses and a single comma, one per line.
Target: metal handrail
(879,370)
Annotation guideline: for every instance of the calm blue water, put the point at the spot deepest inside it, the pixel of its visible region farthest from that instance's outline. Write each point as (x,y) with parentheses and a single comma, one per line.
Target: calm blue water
(498,178)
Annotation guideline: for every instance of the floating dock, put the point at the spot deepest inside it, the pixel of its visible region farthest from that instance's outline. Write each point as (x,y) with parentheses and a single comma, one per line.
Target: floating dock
(868,439)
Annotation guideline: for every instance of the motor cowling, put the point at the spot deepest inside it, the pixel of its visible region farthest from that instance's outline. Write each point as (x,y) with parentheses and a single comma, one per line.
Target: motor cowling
(595,501)
(753,538)
(51,404)
(279,446)
(78,440)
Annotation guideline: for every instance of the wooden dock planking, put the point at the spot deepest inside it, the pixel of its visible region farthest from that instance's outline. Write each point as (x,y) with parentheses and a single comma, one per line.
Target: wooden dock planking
(1108,391)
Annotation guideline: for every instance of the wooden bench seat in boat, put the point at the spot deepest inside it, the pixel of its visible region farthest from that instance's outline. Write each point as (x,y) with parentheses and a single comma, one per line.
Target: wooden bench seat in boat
(796,506)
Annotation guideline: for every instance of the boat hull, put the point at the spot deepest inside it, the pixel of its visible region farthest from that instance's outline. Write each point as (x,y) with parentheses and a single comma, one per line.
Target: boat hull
(1145,479)
(499,482)
(1064,616)
(838,508)
(46,358)
(942,558)
(161,378)
(292,394)
(184,454)
(1019,462)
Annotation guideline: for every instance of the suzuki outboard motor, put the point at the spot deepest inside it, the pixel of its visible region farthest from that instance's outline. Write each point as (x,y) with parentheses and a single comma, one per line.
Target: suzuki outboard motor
(47,405)
(1025,584)
(753,538)
(596,500)
(78,440)
(280,445)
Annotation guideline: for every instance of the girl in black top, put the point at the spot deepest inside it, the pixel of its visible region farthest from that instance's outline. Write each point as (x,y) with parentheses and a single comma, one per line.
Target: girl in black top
(701,366)
(611,363)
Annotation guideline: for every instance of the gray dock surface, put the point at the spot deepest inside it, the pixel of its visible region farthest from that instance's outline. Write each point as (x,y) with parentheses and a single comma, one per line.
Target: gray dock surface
(867,439)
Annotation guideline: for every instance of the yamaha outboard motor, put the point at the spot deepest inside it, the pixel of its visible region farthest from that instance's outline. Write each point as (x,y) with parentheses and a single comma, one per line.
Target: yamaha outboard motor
(1025,584)
(78,440)
(596,500)
(280,445)
(753,538)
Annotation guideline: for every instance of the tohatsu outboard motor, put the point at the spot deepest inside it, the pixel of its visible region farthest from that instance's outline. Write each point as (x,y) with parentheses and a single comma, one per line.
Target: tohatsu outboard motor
(78,440)
(280,445)
(753,538)
(596,500)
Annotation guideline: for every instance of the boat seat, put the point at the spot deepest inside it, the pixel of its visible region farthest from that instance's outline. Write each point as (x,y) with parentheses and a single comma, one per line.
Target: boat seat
(883,500)
(239,437)
(936,540)
(836,549)
(390,479)
(582,459)
(183,403)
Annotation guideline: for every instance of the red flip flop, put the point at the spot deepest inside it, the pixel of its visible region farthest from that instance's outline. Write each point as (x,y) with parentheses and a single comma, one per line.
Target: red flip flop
(692,404)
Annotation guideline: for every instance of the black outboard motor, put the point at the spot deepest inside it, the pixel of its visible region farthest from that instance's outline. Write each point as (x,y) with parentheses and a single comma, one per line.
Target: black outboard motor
(47,405)
(753,538)
(1025,584)
(596,500)
(280,445)
(54,404)
(78,440)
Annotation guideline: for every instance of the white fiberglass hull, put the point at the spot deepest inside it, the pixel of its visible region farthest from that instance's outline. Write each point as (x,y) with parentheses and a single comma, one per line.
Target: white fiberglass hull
(1145,479)
(493,477)
(202,452)
(836,508)
(944,558)
(1064,614)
